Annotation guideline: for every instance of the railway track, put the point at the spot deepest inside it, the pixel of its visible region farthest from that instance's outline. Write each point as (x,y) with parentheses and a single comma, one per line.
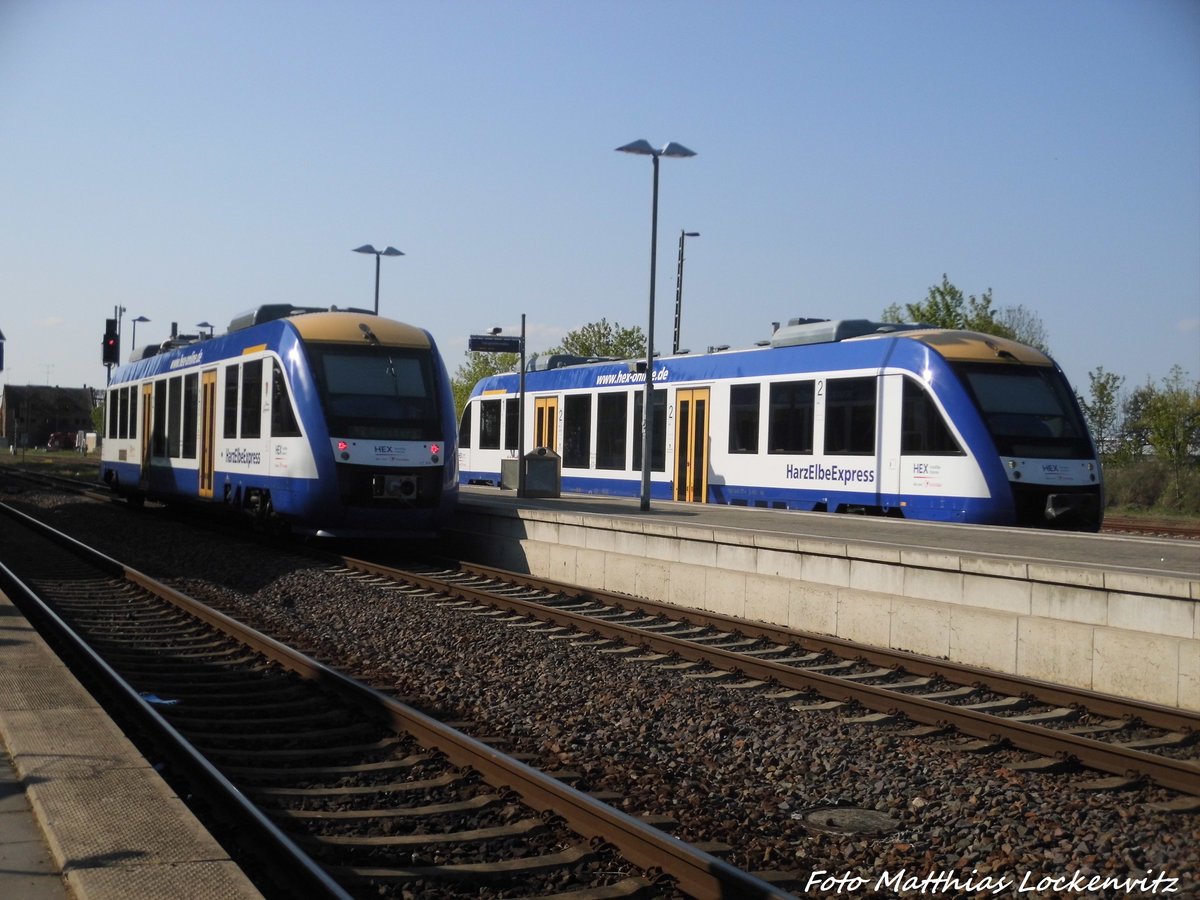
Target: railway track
(1170,528)
(355,793)
(1128,740)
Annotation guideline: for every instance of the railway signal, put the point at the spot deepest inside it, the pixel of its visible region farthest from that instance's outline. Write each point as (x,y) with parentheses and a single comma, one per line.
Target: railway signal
(111,345)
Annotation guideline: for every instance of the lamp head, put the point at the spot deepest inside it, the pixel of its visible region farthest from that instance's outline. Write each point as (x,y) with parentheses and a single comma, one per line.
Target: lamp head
(674,149)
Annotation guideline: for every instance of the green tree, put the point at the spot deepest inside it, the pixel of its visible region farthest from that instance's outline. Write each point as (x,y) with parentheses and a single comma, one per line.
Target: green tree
(604,339)
(1172,422)
(945,306)
(1026,326)
(477,366)
(1135,435)
(1103,410)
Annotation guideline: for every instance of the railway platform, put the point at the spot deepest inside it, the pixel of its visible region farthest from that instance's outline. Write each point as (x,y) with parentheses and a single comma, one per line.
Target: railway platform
(82,814)
(1084,610)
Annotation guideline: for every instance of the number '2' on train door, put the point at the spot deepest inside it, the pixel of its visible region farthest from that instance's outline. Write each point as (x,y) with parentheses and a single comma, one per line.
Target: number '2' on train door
(691,445)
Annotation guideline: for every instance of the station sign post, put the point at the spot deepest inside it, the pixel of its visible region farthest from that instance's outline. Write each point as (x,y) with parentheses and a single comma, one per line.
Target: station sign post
(503,343)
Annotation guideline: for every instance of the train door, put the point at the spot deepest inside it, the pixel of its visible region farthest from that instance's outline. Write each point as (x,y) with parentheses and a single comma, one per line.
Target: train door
(147,432)
(208,430)
(545,418)
(691,445)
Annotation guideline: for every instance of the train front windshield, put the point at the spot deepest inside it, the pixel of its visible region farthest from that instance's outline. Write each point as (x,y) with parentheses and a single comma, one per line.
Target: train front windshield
(1029,411)
(377,393)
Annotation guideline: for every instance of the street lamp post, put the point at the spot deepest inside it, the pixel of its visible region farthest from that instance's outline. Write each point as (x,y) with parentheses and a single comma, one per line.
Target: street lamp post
(390,251)
(211,328)
(679,287)
(133,342)
(643,148)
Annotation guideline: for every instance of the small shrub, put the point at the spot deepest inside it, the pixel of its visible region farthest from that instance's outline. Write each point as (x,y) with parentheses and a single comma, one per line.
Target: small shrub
(1138,485)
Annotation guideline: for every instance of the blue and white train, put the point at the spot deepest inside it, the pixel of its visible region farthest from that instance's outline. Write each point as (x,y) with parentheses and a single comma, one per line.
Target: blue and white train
(832,416)
(329,423)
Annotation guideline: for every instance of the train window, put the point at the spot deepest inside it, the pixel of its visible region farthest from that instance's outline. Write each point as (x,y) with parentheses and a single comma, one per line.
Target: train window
(743,417)
(512,423)
(489,425)
(612,414)
(232,377)
(658,440)
(283,416)
(1029,411)
(124,397)
(114,412)
(790,425)
(132,405)
(464,427)
(577,430)
(158,442)
(191,402)
(850,416)
(252,373)
(377,392)
(923,431)
(174,418)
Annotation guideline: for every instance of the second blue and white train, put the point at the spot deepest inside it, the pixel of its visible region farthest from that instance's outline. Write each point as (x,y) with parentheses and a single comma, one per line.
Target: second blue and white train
(836,416)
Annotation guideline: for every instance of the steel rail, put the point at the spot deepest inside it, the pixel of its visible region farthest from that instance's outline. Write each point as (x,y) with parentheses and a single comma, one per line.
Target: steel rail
(283,850)
(1179,775)
(1153,714)
(694,871)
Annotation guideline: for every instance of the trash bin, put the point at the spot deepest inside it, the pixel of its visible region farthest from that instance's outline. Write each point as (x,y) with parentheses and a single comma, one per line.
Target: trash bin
(543,473)
(509,473)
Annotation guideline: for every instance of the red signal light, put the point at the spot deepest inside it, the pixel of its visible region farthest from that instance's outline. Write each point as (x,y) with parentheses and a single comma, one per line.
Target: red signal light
(434,448)
(342,445)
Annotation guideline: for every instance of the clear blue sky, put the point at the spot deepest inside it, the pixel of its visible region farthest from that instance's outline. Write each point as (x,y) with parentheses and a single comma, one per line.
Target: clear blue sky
(191,160)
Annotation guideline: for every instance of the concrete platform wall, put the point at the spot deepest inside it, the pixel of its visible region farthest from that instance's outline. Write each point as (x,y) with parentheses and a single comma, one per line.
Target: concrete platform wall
(1119,633)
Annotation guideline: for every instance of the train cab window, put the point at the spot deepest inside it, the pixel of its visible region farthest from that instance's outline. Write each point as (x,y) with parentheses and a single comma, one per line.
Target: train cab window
(158,441)
(1029,411)
(923,431)
(489,425)
(850,416)
(512,423)
(743,417)
(191,411)
(251,419)
(232,378)
(790,427)
(612,415)
(174,417)
(464,427)
(378,392)
(577,430)
(283,415)
(658,439)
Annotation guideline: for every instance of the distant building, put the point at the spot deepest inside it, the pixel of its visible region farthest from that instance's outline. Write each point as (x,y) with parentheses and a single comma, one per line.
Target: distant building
(30,415)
